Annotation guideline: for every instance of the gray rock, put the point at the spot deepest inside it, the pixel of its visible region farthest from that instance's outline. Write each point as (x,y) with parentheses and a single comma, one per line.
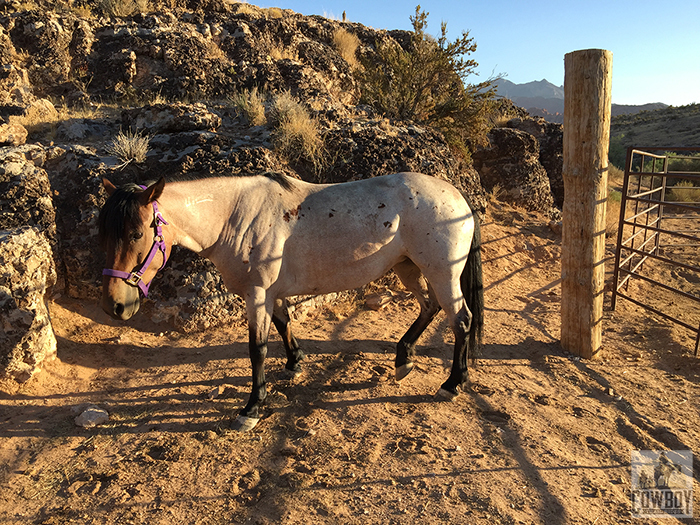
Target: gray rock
(171,118)
(27,272)
(91,417)
(25,192)
(511,163)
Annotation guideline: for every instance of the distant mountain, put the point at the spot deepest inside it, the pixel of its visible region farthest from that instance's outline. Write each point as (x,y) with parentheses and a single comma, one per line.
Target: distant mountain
(530,90)
(544,99)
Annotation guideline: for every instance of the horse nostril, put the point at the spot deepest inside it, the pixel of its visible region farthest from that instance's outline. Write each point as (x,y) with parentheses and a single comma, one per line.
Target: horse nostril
(118,309)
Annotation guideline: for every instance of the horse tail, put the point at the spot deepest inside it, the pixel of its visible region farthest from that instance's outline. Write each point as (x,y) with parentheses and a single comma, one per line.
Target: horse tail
(472,285)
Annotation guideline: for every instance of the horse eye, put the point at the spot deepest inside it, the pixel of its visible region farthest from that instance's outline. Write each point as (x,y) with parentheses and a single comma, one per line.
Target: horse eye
(135,236)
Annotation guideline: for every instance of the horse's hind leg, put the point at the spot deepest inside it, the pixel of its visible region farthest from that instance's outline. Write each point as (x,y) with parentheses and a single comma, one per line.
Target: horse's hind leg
(280,318)
(459,375)
(413,280)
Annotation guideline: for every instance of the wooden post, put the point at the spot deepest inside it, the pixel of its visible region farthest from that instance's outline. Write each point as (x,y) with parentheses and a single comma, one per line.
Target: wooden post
(587,101)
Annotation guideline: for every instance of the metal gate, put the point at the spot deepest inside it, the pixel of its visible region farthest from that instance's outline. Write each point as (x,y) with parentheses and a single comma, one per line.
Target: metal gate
(659,232)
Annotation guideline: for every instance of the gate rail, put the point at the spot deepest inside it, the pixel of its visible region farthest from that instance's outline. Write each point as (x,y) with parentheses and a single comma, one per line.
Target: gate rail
(648,217)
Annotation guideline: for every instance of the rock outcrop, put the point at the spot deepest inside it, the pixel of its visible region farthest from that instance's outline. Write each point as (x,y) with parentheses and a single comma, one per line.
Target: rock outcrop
(550,137)
(510,164)
(27,272)
(207,52)
(27,268)
(25,191)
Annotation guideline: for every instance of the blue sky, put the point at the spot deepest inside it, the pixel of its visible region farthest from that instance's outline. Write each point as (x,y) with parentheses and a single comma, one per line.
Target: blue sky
(655,44)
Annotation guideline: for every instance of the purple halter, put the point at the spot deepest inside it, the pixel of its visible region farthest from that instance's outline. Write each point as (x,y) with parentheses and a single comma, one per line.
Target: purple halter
(134,278)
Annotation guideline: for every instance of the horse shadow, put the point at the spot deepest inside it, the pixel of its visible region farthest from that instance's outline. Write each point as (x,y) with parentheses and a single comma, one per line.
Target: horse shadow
(172,401)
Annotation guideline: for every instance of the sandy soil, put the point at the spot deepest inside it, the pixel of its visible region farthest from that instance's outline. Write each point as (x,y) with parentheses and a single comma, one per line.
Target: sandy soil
(543,437)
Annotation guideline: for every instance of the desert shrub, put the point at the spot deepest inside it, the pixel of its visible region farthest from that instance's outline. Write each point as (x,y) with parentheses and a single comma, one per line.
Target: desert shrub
(274,12)
(297,134)
(346,44)
(123,8)
(252,105)
(281,52)
(129,147)
(427,83)
(686,162)
(258,12)
(684,191)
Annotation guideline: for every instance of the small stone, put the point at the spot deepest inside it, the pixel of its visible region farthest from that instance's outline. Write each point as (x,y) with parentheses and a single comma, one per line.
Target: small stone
(92,416)
(216,392)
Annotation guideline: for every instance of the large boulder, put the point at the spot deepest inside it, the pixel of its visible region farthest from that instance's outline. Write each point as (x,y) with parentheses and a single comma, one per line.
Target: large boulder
(510,163)
(27,272)
(365,148)
(25,192)
(27,267)
(550,137)
(171,118)
(75,176)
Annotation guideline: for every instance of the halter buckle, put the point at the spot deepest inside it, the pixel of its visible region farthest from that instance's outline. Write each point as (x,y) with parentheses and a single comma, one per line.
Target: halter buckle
(134,278)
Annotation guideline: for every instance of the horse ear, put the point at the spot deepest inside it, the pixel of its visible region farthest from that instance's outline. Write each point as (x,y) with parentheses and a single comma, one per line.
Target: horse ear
(109,187)
(152,193)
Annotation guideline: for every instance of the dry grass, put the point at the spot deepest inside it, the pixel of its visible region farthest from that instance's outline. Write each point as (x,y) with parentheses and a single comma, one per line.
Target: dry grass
(297,133)
(252,105)
(612,214)
(245,8)
(274,12)
(27,5)
(684,191)
(42,122)
(278,52)
(616,177)
(129,147)
(124,8)
(39,116)
(346,44)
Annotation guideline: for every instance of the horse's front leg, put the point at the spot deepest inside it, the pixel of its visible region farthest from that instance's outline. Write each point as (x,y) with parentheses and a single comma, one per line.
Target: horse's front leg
(259,316)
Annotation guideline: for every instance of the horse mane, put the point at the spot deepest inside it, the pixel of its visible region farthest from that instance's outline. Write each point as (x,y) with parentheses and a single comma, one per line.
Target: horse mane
(121,208)
(277,176)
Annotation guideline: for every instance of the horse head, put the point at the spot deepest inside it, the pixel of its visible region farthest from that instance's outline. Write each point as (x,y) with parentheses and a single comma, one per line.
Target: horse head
(130,231)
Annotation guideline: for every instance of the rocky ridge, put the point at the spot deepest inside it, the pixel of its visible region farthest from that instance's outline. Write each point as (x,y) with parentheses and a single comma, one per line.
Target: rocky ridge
(202,58)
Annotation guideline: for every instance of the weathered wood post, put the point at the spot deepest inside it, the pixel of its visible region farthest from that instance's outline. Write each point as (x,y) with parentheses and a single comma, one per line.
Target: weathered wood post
(587,101)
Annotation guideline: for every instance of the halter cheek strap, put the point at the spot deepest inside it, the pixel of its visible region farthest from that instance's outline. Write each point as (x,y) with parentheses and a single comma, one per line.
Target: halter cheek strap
(135,278)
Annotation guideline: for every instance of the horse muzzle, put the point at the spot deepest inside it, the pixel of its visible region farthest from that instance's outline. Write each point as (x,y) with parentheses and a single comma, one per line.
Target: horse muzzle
(121,310)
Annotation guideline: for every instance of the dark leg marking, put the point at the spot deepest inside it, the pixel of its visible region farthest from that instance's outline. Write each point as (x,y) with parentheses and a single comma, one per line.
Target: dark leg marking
(459,376)
(258,351)
(413,280)
(280,318)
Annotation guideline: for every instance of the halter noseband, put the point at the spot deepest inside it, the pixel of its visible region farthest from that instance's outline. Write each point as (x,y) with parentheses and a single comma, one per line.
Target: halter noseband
(135,278)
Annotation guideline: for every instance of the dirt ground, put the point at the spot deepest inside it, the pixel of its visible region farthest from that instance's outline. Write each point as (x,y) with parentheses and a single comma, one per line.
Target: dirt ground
(542,437)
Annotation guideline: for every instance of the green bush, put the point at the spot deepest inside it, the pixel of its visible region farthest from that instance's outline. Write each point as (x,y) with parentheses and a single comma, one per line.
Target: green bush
(427,83)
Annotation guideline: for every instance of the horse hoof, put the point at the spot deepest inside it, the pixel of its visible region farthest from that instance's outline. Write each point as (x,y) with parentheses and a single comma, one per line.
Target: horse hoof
(244,423)
(445,395)
(403,371)
(291,374)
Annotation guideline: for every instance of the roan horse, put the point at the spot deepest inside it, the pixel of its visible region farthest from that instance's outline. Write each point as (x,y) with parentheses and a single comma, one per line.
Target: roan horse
(272,237)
